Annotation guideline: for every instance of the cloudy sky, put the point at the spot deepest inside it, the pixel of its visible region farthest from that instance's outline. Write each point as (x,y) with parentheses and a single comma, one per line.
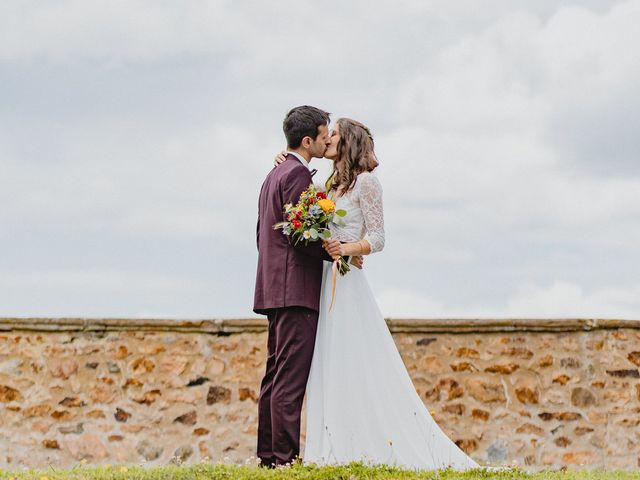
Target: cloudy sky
(134,136)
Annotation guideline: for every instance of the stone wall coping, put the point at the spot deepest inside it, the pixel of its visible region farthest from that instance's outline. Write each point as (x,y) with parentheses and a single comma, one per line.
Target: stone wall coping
(228,326)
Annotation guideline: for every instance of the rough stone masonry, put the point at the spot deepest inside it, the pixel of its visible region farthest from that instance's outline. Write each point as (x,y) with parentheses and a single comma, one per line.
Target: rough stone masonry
(534,393)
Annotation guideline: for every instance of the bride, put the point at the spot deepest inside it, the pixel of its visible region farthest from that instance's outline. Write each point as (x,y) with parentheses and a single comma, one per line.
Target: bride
(361,402)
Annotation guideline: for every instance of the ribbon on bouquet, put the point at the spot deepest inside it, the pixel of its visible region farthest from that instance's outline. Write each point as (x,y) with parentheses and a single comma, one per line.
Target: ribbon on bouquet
(334,278)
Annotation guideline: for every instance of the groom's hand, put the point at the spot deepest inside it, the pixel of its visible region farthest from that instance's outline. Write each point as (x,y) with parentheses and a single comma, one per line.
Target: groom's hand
(333,248)
(357,261)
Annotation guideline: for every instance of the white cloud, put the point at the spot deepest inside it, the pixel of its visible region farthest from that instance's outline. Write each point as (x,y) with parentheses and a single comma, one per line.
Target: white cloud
(98,292)
(136,135)
(492,131)
(116,30)
(569,84)
(191,183)
(558,300)
(562,299)
(408,304)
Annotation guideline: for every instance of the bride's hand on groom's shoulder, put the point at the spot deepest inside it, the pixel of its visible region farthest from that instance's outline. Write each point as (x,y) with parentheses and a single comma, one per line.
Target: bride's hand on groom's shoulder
(281,157)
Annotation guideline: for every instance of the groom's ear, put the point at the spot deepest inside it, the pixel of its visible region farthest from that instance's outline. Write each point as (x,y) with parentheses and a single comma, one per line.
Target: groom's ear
(306,142)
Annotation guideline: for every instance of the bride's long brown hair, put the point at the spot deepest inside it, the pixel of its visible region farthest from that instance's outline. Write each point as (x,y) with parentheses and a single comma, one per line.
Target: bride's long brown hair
(355,154)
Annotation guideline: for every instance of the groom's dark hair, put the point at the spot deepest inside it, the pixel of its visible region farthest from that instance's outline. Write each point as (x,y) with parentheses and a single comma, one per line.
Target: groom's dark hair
(303,122)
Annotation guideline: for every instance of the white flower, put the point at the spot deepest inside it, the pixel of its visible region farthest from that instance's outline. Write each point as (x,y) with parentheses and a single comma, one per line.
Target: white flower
(315,210)
(306,235)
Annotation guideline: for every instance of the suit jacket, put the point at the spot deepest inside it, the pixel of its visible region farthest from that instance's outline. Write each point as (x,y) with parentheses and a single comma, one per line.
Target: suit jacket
(287,275)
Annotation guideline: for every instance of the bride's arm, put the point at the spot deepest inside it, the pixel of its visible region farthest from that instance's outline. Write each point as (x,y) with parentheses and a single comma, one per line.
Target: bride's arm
(336,249)
(370,195)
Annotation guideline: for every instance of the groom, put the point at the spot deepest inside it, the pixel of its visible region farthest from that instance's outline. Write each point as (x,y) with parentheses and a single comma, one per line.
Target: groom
(287,289)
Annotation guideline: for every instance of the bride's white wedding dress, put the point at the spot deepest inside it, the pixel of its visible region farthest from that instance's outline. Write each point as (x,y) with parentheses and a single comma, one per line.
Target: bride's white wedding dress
(361,402)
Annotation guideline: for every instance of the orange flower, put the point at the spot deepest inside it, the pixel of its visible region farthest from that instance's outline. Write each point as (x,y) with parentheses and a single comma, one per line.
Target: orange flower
(327,205)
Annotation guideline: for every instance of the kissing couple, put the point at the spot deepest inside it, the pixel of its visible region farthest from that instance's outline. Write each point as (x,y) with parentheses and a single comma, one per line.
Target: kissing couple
(361,402)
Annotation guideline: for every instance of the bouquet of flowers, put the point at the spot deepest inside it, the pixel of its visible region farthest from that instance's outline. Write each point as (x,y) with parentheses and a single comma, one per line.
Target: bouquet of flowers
(310,218)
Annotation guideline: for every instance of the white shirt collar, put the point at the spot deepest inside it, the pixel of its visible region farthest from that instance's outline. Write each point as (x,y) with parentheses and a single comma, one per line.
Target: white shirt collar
(301,158)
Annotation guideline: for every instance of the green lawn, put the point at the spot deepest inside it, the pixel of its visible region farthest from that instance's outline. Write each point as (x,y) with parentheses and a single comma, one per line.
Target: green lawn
(351,472)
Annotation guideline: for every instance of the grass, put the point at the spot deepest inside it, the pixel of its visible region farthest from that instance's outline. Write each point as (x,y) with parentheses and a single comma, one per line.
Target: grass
(350,472)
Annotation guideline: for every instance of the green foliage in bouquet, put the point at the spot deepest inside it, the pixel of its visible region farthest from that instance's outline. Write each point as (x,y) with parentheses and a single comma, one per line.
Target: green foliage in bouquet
(310,218)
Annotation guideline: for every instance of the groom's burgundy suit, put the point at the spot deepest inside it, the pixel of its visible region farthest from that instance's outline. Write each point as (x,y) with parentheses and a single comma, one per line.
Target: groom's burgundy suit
(287,290)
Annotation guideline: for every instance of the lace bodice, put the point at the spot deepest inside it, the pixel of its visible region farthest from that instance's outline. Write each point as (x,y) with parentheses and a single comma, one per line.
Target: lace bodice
(364,217)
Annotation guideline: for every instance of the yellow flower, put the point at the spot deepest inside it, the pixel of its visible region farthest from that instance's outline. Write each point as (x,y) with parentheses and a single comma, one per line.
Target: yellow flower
(124,469)
(327,205)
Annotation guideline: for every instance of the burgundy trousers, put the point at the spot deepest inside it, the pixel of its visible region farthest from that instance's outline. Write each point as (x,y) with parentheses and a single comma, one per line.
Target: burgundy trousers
(292,336)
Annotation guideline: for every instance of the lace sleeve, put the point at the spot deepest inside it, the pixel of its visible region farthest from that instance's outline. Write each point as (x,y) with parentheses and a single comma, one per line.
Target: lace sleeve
(370,197)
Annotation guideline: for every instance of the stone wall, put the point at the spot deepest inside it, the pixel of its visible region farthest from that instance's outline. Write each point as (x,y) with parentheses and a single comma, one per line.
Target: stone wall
(536,393)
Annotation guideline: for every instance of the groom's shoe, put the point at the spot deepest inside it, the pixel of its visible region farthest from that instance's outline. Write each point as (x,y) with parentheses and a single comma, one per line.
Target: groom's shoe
(267,462)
